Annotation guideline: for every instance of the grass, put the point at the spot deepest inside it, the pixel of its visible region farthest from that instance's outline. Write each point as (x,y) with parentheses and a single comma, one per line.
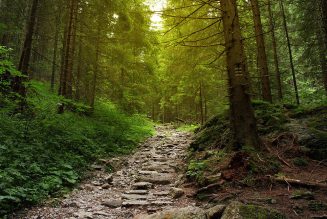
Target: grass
(42,152)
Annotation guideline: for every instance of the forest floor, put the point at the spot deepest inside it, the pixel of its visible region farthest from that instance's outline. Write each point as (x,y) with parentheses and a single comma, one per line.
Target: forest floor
(144,182)
(153,179)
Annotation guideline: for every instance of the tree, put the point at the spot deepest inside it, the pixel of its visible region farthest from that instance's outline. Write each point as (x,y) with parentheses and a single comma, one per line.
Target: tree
(275,53)
(261,52)
(243,122)
(23,66)
(290,52)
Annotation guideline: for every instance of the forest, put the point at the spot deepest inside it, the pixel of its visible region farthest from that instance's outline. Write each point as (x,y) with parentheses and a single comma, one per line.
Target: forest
(222,103)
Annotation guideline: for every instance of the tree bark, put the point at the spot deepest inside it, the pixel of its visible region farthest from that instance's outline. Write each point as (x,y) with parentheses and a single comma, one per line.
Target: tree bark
(243,122)
(276,60)
(201,103)
(96,67)
(261,52)
(323,59)
(290,52)
(55,52)
(23,66)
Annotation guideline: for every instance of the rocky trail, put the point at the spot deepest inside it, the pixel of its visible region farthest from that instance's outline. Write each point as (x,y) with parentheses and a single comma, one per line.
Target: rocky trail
(148,181)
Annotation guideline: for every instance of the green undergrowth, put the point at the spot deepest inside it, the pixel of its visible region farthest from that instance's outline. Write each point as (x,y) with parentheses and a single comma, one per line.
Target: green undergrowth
(187,128)
(42,152)
(308,123)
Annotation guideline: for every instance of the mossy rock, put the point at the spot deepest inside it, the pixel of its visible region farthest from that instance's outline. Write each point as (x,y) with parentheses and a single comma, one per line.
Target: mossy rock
(237,210)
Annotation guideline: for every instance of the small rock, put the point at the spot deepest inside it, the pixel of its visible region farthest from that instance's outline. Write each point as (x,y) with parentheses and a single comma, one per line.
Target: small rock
(96,167)
(71,205)
(83,215)
(109,179)
(215,212)
(176,192)
(106,186)
(112,203)
(88,187)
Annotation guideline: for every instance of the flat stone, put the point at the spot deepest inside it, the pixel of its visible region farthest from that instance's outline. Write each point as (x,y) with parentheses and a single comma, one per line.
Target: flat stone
(142,185)
(139,192)
(145,172)
(162,193)
(112,203)
(131,203)
(134,197)
(161,202)
(162,179)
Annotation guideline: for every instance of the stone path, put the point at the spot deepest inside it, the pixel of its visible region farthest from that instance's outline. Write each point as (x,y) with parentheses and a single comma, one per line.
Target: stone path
(149,181)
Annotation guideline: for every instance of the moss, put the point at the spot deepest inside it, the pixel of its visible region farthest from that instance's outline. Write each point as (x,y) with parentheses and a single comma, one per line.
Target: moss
(257,212)
(300,194)
(317,206)
(300,162)
(238,210)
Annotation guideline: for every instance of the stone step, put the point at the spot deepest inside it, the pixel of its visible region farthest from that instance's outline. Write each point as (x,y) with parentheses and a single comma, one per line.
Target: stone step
(142,185)
(132,203)
(138,192)
(135,197)
(162,179)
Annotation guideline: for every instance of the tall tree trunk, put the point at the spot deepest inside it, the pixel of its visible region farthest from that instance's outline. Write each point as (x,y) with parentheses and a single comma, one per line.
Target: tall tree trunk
(96,67)
(324,23)
(79,70)
(69,49)
(274,44)
(201,103)
(290,52)
(243,122)
(55,52)
(23,66)
(261,52)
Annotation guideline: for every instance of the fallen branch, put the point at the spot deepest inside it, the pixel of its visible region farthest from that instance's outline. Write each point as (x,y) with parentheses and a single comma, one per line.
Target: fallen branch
(283,161)
(296,182)
(209,187)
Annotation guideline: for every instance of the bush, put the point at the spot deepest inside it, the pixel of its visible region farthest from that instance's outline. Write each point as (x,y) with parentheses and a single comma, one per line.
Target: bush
(42,152)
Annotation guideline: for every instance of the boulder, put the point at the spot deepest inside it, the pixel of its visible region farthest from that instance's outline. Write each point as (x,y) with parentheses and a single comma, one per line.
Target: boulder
(186,213)
(237,210)
(176,192)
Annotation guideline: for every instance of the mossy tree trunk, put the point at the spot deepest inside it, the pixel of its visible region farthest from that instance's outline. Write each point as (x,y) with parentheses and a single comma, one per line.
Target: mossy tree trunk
(243,122)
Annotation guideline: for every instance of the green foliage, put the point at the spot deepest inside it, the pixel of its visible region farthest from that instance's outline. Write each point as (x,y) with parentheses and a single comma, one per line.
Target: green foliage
(7,73)
(187,128)
(300,162)
(42,152)
(196,169)
(270,117)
